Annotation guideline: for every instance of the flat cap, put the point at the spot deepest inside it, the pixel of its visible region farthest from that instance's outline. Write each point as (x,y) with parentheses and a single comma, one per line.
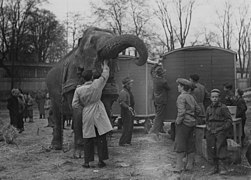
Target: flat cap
(215,91)
(228,85)
(195,77)
(184,82)
(126,80)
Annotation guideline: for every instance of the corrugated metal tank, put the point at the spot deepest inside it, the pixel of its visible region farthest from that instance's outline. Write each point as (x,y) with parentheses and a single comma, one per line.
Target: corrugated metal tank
(214,65)
(142,85)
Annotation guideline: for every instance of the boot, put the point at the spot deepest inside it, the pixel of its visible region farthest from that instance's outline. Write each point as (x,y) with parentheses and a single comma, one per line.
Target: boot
(215,169)
(190,161)
(179,162)
(101,164)
(222,168)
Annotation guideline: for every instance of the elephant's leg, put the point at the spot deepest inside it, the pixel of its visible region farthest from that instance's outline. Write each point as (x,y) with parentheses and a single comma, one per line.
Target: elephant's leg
(78,133)
(57,141)
(77,125)
(108,100)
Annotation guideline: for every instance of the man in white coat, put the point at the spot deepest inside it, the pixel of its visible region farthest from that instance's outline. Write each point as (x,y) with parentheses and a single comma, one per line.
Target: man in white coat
(94,117)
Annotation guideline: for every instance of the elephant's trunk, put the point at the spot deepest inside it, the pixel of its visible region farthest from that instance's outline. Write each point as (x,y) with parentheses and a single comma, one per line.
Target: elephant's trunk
(117,44)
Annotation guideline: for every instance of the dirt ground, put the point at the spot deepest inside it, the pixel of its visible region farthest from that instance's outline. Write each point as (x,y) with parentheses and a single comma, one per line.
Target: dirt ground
(145,159)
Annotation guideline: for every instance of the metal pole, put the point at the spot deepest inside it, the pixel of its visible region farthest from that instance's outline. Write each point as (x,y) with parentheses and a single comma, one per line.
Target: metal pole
(249,68)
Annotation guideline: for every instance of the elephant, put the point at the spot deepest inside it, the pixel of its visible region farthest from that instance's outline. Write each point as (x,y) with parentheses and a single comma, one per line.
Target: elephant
(93,48)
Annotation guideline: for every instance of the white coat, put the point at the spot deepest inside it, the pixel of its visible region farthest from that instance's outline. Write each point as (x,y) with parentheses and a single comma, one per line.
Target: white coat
(94,114)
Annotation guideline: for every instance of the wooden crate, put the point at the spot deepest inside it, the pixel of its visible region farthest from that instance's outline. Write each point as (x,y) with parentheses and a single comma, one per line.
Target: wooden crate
(199,137)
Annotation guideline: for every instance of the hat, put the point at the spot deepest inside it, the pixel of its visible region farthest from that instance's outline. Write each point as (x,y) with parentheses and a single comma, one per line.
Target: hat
(14,91)
(126,80)
(215,91)
(228,86)
(240,92)
(195,77)
(184,82)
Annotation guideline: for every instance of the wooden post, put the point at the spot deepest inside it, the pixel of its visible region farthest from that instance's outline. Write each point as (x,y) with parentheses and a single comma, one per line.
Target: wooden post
(146,89)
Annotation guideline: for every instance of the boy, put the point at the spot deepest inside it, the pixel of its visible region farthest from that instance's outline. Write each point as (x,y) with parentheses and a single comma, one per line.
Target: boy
(188,109)
(218,123)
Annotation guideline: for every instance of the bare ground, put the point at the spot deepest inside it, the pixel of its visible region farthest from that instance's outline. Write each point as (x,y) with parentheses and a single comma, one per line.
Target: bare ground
(145,159)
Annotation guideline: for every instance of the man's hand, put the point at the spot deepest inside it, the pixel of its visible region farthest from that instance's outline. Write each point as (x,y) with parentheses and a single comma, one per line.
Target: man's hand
(105,64)
(131,110)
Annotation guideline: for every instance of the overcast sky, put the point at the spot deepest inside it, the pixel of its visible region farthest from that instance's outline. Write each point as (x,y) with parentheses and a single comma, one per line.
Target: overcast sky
(204,11)
(204,14)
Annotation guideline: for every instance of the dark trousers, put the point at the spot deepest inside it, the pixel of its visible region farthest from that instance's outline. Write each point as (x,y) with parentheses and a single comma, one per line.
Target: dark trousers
(216,145)
(127,129)
(243,131)
(102,148)
(13,118)
(160,111)
(20,122)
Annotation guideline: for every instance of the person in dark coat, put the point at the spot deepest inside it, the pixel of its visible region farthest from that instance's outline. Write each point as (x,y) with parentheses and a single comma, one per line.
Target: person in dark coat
(200,94)
(241,111)
(160,93)
(126,101)
(29,107)
(40,100)
(227,96)
(188,109)
(25,115)
(248,154)
(13,106)
(218,124)
(21,108)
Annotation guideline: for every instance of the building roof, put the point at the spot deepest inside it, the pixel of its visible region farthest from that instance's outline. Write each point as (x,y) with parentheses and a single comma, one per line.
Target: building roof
(196,48)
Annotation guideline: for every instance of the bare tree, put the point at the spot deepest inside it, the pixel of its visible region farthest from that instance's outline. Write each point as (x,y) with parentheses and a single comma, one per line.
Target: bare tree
(175,17)
(4,31)
(44,31)
(225,26)
(184,12)
(113,13)
(138,19)
(243,26)
(75,27)
(211,38)
(139,12)
(163,15)
(14,14)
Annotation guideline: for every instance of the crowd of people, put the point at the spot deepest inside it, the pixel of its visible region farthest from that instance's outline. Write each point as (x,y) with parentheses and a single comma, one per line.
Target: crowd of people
(191,111)
(21,104)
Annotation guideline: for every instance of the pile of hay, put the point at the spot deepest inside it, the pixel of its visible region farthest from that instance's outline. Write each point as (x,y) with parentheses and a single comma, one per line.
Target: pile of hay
(8,134)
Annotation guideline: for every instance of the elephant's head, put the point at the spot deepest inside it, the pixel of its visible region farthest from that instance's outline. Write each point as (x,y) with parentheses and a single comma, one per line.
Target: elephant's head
(99,44)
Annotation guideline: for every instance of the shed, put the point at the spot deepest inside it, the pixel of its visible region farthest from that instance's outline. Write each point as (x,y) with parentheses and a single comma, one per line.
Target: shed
(142,85)
(214,65)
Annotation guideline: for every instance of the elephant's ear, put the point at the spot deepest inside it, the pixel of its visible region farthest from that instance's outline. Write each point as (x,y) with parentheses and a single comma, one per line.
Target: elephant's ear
(86,53)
